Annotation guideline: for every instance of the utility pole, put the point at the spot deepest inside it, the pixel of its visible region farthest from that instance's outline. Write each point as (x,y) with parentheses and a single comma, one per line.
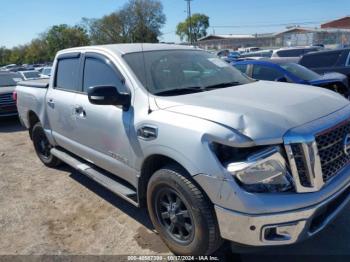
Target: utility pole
(189,19)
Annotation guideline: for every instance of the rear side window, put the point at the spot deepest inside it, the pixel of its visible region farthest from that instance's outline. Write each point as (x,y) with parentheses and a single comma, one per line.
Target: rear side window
(261,72)
(242,68)
(67,74)
(99,73)
(320,60)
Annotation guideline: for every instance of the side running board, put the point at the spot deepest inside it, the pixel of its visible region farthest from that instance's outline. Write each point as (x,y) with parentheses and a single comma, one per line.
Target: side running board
(95,174)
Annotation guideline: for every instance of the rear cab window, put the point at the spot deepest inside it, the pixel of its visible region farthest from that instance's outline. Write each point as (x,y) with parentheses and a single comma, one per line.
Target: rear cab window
(321,60)
(290,53)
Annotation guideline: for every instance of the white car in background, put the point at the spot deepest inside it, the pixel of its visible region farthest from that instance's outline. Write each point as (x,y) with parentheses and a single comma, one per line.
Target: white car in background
(46,72)
(30,75)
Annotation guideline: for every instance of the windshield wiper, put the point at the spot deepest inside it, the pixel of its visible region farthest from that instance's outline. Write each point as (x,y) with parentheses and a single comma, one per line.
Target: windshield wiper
(177,91)
(223,85)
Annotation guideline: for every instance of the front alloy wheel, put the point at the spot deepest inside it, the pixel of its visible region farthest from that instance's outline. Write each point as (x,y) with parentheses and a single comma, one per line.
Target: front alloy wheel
(180,212)
(174,215)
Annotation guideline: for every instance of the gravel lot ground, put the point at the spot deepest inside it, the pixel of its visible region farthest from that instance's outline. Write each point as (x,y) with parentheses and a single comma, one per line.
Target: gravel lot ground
(59,211)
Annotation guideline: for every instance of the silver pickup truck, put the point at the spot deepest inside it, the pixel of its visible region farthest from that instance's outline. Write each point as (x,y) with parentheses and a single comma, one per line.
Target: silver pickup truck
(211,153)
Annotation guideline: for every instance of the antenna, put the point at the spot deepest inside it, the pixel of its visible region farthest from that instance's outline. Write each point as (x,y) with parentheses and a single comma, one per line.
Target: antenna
(146,78)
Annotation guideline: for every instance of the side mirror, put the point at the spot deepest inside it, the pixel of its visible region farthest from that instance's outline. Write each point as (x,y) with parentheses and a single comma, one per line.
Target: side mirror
(108,95)
(281,79)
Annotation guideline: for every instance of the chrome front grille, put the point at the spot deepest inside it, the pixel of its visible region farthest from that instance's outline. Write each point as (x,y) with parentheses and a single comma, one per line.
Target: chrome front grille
(330,144)
(301,164)
(318,157)
(6,99)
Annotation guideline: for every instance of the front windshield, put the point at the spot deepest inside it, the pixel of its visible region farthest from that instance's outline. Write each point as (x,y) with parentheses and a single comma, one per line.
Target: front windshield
(301,72)
(174,71)
(47,71)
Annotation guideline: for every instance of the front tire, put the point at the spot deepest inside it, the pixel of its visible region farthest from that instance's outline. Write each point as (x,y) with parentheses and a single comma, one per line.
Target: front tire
(42,146)
(182,214)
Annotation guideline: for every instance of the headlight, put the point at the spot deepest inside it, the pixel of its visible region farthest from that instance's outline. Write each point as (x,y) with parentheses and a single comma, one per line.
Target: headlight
(265,171)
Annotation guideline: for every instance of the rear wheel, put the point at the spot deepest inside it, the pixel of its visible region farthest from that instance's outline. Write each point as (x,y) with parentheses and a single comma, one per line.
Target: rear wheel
(182,214)
(43,147)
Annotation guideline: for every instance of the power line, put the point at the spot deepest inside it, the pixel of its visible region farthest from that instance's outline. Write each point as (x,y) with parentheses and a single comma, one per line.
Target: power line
(284,23)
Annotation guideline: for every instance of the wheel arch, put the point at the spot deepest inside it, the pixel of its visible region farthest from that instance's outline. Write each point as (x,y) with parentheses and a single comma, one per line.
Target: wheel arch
(152,164)
(33,118)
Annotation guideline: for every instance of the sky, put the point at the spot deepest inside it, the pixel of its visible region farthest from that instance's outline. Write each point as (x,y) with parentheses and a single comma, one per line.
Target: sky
(23,20)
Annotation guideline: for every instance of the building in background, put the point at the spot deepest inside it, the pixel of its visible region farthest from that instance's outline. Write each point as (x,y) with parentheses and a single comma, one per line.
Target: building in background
(342,23)
(333,34)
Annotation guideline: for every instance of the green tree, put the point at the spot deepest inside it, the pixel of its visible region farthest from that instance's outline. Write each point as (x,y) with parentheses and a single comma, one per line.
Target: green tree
(136,21)
(5,54)
(36,51)
(63,36)
(17,55)
(200,24)
(143,20)
(107,30)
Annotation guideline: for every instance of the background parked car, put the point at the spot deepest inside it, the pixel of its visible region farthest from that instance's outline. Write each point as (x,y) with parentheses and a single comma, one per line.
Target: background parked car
(284,71)
(328,61)
(30,75)
(261,53)
(46,72)
(223,53)
(8,82)
(294,51)
(232,56)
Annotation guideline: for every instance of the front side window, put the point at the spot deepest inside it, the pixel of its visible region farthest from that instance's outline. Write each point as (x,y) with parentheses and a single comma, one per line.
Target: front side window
(174,71)
(67,74)
(99,73)
(261,72)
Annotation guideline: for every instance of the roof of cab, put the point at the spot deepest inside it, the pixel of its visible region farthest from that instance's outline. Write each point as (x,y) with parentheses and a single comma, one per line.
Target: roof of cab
(122,49)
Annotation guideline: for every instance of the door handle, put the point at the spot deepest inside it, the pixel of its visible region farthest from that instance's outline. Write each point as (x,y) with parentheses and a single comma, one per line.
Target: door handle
(79,111)
(51,102)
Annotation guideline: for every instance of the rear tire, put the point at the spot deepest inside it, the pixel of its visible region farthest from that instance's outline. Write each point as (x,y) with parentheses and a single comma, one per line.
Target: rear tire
(182,214)
(42,146)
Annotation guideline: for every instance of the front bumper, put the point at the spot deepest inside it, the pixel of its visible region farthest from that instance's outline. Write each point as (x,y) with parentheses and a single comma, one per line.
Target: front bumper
(280,228)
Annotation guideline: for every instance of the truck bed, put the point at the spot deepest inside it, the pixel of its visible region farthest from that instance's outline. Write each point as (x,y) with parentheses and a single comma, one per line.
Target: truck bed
(31,98)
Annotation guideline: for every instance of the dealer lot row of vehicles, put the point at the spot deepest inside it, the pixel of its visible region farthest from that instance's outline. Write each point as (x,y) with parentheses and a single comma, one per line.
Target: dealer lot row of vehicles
(213,154)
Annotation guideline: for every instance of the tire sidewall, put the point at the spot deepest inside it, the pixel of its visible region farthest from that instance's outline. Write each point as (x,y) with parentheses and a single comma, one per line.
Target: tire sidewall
(170,179)
(36,132)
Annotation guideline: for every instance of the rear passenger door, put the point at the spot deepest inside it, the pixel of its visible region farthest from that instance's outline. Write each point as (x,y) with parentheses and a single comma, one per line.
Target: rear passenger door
(103,130)
(60,100)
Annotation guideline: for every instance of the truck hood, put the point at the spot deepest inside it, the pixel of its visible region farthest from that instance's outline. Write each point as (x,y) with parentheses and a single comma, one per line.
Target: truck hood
(263,111)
